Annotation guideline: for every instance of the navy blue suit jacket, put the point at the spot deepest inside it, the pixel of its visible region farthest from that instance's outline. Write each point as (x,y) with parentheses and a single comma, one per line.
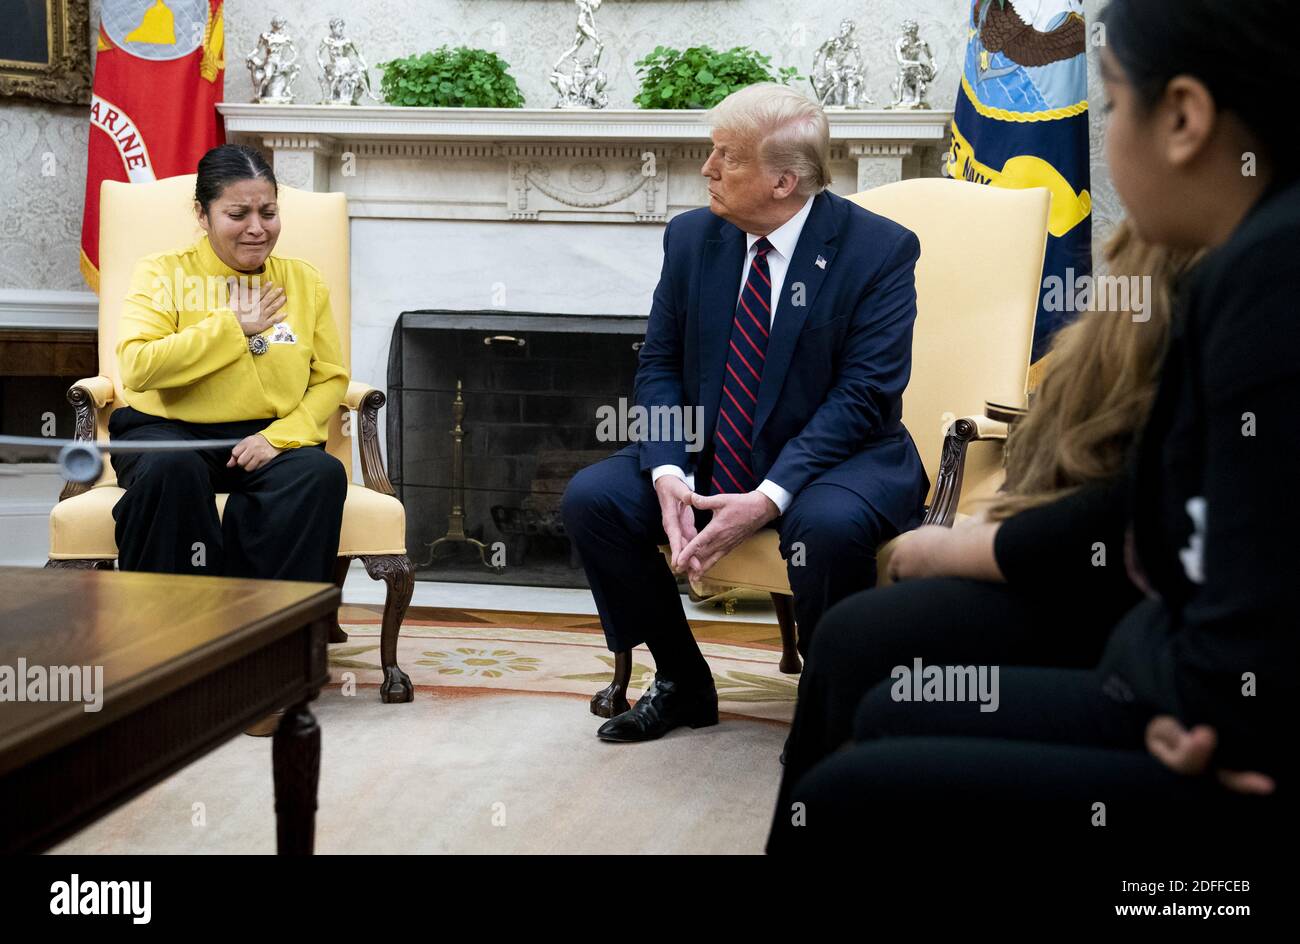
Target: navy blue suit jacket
(830,403)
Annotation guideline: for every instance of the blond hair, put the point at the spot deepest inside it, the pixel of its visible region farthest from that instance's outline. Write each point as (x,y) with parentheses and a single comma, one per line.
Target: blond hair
(1097,393)
(790,131)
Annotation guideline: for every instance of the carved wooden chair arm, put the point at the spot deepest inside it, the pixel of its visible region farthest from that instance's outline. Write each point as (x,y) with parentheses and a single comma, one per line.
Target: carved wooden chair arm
(95,392)
(366,400)
(952,464)
(87,397)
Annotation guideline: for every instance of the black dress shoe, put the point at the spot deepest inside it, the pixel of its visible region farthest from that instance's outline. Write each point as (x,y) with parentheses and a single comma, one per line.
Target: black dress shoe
(664,706)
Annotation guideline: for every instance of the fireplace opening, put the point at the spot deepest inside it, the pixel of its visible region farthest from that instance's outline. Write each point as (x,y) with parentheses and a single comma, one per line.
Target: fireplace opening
(489,415)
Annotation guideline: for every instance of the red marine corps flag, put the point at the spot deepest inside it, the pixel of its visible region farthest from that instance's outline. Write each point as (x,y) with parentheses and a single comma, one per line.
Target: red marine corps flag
(159,73)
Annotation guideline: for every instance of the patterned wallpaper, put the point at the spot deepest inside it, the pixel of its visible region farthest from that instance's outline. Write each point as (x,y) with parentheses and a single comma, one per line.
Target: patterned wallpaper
(1106,208)
(41,196)
(40,211)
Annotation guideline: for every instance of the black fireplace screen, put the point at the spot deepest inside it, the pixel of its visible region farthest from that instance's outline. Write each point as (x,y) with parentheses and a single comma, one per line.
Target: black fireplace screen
(489,415)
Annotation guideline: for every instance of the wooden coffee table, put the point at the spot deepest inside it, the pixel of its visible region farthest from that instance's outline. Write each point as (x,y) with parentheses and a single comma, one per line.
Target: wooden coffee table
(188,663)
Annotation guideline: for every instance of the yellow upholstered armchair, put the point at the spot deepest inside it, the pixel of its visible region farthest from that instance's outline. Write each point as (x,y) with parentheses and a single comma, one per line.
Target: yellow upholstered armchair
(977,288)
(139,219)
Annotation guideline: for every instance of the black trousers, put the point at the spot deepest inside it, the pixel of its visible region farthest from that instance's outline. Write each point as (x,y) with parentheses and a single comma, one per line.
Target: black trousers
(1055,731)
(1059,760)
(281,520)
(829,537)
(942,621)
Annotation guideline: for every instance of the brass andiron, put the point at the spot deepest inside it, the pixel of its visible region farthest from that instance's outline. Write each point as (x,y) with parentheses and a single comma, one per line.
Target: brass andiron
(456,520)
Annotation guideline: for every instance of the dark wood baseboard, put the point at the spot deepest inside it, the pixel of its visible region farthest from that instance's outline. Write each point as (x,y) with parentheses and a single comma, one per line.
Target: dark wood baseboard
(31,352)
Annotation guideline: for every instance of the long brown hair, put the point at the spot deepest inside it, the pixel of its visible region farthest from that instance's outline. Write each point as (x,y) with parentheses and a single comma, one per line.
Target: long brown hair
(1097,390)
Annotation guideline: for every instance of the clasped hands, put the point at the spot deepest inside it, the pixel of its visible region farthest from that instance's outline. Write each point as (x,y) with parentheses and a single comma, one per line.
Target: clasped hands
(735,517)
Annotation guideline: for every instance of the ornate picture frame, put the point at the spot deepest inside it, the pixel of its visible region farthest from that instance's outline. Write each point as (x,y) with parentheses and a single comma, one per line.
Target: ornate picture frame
(45,50)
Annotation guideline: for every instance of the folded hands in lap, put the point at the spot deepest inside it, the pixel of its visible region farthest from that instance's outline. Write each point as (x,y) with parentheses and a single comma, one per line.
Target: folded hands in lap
(735,517)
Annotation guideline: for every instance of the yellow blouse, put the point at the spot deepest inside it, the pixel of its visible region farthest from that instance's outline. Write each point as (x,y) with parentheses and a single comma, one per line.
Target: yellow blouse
(183,355)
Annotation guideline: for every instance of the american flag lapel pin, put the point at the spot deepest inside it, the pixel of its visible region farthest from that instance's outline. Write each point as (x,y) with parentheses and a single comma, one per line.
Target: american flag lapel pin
(821,262)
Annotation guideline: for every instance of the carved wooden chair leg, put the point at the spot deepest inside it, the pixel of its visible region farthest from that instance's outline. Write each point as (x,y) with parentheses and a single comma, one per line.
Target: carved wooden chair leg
(790,663)
(612,699)
(340,574)
(81,564)
(396,571)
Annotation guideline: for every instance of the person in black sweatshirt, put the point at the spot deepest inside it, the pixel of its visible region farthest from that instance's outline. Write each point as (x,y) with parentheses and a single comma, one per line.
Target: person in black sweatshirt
(1206,660)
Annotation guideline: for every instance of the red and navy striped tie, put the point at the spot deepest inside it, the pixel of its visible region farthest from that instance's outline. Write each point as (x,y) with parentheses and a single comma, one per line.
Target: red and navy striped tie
(733,461)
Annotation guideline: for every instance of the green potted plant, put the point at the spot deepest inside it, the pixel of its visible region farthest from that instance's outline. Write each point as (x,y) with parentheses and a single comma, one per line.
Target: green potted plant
(700,77)
(462,77)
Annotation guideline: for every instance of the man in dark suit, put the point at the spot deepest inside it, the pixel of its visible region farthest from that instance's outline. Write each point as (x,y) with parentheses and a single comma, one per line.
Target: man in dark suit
(783,320)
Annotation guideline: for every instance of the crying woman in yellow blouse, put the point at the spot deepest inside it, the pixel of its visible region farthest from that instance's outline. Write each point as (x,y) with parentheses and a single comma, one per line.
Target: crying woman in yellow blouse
(258,361)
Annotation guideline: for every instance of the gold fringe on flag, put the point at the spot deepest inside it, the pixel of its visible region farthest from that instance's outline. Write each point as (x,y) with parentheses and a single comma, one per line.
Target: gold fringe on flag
(89,272)
(214,45)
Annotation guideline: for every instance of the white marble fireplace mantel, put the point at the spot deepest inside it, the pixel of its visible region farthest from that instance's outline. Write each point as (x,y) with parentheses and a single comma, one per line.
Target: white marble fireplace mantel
(612,165)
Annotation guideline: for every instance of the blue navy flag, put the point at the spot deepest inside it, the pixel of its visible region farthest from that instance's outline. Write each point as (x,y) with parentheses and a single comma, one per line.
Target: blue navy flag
(1022,121)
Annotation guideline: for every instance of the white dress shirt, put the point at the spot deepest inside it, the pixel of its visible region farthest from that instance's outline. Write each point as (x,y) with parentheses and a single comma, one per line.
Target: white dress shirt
(783,239)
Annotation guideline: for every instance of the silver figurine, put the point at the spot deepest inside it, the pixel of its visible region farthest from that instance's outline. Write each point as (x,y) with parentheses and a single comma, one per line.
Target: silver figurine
(915,69)
(838,75)
(345,76)
(581,87)
(581,83)
(273,65)
(585,30)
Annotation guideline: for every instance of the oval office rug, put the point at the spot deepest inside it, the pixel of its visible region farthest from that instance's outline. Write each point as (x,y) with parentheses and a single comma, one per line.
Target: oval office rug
(468,651)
